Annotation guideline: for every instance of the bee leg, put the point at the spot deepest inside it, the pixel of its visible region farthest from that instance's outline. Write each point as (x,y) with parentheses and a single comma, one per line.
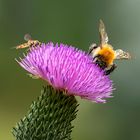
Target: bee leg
(92,47)
(98,60)
(111,69)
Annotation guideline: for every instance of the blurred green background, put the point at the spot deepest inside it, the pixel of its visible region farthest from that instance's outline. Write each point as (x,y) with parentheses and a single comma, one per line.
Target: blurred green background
(74,22)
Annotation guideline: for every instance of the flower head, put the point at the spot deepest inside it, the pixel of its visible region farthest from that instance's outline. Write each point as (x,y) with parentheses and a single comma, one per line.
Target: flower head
(67,68)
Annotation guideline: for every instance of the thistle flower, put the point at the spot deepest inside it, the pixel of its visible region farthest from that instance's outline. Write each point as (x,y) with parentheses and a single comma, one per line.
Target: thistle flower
(67,68)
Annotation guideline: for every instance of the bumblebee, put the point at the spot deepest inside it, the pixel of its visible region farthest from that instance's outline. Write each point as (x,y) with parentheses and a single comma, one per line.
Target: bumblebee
(30,42)
(104,54)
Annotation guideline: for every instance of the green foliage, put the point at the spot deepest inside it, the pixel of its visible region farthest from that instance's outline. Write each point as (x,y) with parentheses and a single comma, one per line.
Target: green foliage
(49,118)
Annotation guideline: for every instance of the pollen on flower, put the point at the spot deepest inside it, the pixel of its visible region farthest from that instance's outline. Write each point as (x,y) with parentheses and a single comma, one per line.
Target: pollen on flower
(68,68)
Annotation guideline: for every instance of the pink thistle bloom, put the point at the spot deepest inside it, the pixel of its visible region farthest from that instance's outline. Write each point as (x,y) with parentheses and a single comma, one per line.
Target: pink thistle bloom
(67,68)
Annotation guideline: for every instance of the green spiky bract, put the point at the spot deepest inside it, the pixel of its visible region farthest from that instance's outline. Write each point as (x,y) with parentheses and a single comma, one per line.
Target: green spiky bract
(49,118)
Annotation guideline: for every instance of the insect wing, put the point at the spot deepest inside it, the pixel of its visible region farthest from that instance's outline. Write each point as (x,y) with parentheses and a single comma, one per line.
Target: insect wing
(27,37)
(103,35)
(120,54)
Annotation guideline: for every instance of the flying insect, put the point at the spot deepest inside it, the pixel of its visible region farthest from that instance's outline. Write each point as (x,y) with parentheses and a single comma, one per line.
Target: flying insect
(30,42)
(104,54)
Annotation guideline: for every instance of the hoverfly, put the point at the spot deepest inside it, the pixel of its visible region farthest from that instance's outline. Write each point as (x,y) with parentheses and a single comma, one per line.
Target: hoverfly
(30,42)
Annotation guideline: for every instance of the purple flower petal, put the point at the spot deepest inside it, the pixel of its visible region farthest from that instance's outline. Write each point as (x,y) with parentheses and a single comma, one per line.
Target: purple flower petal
(67,68)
